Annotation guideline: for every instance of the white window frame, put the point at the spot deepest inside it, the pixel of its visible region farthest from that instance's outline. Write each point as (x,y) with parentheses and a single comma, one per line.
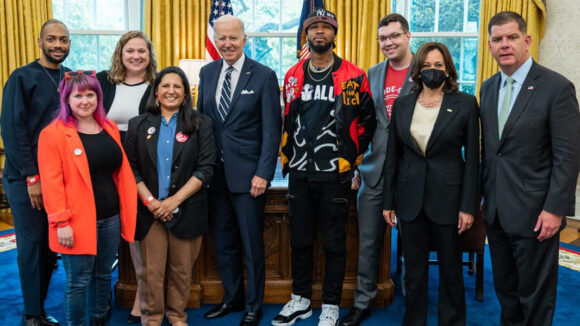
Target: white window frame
(132,11)
(404,8)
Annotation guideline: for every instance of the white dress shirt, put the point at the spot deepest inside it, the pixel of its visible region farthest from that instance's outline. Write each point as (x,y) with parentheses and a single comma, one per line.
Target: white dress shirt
(519,77)
(235,77)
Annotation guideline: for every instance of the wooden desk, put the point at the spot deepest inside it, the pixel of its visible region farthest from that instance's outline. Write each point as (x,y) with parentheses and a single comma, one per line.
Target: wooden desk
(206,284)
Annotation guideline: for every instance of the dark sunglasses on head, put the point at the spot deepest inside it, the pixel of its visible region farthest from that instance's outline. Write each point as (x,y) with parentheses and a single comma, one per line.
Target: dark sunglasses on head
(76,73)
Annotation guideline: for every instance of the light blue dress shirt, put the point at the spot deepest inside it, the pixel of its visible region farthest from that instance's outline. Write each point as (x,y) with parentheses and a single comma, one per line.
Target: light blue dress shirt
(519,77)
(165,154)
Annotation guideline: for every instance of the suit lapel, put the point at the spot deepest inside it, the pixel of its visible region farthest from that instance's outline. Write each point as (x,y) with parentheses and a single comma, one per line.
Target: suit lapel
(75,146)
(447,112)
(528,88)
(245,75)
(379,90)
(408,109)
(491,103)
(179,145)
(152,125)
(211,89)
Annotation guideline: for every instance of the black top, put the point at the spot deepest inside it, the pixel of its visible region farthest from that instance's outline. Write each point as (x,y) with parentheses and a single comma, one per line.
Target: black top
(317,129)
(29,102)
(104,157)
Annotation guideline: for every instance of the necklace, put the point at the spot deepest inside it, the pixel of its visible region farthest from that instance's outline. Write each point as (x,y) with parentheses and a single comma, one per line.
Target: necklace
(435,102)
(311,67)
(52,79)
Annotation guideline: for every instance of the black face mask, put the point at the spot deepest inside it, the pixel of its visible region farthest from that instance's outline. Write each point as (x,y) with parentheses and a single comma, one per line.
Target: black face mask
(433,78)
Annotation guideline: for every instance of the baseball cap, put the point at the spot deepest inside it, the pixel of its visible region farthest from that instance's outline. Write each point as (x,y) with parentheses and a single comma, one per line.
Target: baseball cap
(321,15)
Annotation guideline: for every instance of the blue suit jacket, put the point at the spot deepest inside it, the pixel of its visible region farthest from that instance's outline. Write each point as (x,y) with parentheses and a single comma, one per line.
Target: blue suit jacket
(249,138)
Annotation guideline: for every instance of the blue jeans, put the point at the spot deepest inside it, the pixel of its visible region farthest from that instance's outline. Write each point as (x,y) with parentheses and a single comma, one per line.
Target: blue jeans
(88,275)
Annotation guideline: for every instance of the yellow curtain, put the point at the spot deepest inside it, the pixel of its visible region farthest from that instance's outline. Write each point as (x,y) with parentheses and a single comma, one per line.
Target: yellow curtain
(177,29)
(20,23)
(358,23)
(533,11)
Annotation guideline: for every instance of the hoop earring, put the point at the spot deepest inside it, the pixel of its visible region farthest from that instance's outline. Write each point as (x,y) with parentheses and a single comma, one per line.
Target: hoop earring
(157,102)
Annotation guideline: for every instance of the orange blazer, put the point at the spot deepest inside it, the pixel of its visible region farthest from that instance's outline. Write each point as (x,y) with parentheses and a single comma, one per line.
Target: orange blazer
(67,190)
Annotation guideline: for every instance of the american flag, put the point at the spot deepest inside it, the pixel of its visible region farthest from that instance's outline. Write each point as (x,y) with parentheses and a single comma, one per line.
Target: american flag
(218,8)
(308,6)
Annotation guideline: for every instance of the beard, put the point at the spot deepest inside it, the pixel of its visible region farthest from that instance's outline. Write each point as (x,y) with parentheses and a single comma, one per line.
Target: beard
(52,59)
(319,48)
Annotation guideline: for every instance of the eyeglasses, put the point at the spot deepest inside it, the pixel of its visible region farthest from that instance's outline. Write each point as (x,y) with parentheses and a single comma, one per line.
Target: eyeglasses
(391,37)
(76,73)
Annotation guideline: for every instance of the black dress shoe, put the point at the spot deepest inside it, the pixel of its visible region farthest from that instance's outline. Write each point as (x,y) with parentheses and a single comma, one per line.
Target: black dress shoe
(355,316)
(132,319)
(251,318)
(48,320)
(221,310)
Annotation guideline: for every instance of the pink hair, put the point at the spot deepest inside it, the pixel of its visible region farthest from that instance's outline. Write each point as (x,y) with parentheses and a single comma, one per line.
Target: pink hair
(80,83)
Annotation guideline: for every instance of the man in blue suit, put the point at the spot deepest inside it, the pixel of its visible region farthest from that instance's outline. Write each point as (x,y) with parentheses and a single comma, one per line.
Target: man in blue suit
(242,97)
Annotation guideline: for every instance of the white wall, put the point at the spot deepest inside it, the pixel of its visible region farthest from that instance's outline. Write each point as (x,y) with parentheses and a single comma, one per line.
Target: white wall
(560,48)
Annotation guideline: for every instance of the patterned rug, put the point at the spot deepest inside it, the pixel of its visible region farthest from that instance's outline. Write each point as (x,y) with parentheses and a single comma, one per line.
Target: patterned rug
(7,240)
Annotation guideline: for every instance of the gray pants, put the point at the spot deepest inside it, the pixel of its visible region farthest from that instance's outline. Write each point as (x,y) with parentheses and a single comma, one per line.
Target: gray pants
(371,225)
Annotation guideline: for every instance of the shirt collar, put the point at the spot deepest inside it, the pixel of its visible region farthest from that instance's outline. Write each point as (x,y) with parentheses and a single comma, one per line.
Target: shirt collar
(519,75)
(237,65)
(171,120)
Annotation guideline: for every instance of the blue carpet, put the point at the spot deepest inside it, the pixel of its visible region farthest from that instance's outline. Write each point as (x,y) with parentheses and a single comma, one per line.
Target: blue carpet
(478,313)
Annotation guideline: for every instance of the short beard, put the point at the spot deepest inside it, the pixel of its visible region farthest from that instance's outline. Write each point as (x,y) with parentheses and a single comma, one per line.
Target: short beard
(319,48)
(51,59)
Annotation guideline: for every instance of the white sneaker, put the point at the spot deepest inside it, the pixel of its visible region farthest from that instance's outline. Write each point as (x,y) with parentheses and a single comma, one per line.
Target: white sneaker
(329,315)
(297,308)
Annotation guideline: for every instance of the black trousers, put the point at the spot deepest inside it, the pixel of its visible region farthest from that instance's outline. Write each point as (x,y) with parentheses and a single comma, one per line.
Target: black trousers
(525,276)
(416,236)
(324,205)
(35,259)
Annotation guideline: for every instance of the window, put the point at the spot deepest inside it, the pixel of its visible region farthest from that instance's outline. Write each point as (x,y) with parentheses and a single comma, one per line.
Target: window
(271,27)
(454,23)
(95,27)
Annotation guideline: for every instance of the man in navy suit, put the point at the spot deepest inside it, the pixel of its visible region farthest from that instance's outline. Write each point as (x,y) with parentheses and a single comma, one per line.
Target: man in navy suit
(531,130)
(242,97)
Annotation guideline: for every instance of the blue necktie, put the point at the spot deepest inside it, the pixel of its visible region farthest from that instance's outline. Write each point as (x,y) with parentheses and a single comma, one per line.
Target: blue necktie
(226,96)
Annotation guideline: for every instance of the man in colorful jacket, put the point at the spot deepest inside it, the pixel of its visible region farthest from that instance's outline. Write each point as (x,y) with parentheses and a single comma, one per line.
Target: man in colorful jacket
(330,120)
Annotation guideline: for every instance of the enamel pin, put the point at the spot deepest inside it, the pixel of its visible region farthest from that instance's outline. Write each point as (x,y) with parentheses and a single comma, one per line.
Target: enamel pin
(181,137)
(77,151)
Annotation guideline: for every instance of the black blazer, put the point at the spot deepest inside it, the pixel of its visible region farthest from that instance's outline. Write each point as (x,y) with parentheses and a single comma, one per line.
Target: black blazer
(109,88)
(196,156)
(441,181)
(535,164)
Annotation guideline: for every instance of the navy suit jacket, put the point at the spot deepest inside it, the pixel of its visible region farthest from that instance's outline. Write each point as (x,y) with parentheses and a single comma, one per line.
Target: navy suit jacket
(534,165)
(249,138)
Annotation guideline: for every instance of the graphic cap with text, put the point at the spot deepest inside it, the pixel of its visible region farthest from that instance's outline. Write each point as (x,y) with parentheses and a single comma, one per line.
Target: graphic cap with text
(321,15)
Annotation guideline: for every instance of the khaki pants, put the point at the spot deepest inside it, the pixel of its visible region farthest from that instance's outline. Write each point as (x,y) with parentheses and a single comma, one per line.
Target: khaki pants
(165,256)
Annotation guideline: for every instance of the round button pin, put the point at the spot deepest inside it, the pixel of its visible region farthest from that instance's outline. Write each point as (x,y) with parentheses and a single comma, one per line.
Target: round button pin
(78,151)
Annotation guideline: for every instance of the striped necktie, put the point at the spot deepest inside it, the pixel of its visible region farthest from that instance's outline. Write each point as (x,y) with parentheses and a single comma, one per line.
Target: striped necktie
(505,105)
(226,96)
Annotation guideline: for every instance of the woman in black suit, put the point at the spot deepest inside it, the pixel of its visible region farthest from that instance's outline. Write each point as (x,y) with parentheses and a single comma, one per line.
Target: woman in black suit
(172,152)
(430,184)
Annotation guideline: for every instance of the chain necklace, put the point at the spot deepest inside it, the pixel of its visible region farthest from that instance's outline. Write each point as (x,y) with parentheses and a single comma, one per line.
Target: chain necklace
(52,79)
(319,71)
(436,102)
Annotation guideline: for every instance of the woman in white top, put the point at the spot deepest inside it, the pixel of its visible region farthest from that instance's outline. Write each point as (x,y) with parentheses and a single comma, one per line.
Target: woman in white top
(126,87)
(127,84)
